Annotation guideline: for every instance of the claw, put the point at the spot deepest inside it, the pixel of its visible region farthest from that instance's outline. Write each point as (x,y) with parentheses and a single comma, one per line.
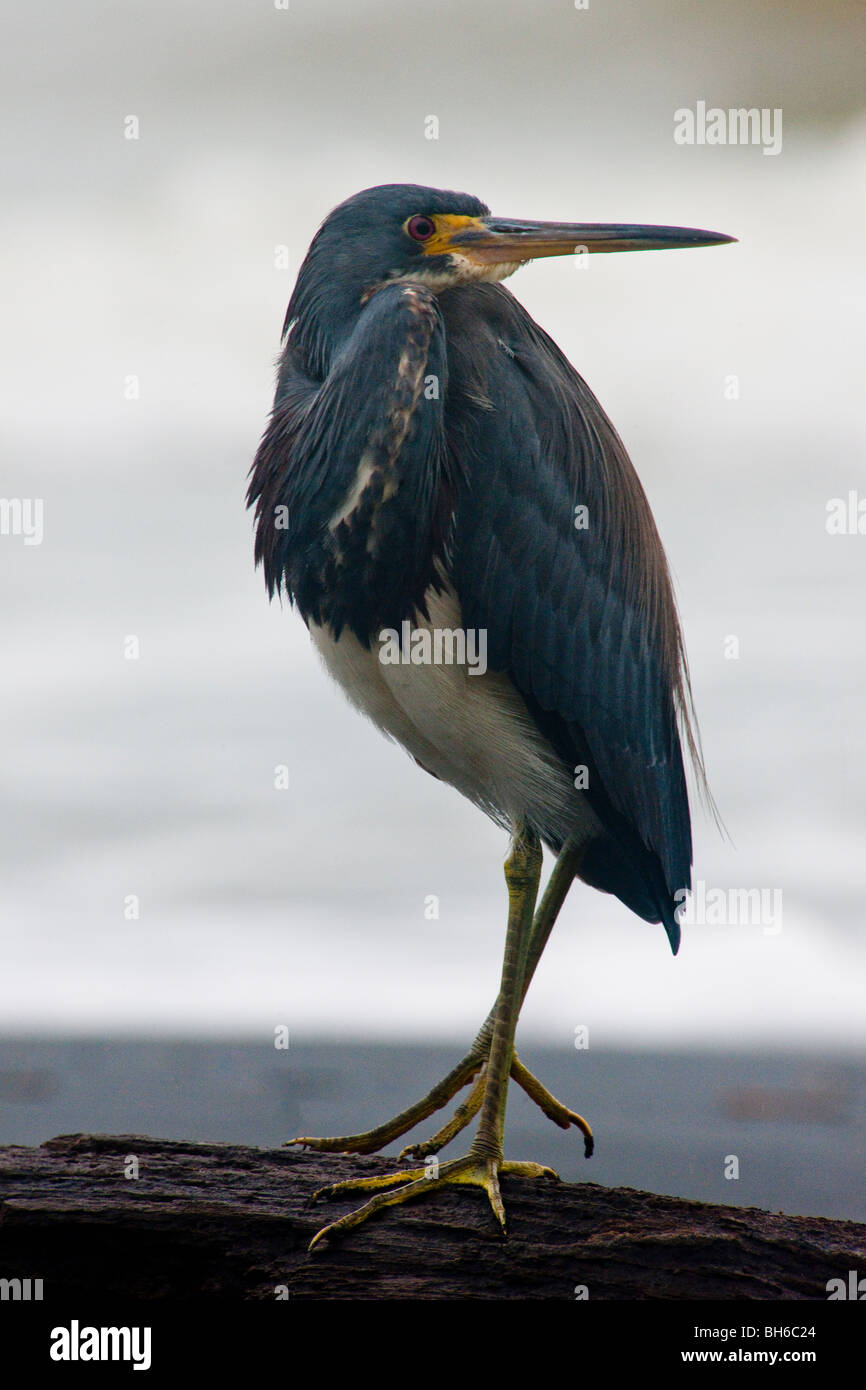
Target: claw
(474,1170)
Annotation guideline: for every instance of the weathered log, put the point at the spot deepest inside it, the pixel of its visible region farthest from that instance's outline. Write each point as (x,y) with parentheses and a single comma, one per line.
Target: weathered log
(219,1221)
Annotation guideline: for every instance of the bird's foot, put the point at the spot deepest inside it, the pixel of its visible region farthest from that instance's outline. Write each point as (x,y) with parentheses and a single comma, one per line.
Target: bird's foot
(392,1189)
(473,1066)
(552,1108)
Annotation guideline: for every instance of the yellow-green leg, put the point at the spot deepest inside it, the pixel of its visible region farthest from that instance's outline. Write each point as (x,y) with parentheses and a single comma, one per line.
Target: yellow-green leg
(472,1067)
(484,1164)
(549,908)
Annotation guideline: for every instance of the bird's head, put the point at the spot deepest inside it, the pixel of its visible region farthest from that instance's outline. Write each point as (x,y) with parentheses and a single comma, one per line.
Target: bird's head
(442,240)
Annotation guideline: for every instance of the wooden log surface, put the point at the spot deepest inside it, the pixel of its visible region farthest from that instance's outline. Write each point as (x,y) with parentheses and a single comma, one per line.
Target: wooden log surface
(220,1221)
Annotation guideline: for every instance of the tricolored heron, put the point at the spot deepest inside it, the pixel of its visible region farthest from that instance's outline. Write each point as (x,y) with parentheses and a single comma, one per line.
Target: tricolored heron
(434,464)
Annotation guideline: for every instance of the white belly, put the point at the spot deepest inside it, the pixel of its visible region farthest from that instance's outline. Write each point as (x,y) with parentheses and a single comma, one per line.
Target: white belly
(472,730)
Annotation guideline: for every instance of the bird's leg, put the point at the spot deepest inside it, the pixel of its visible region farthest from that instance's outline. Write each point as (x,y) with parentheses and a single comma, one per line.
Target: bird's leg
(468,1069)
(561,879)
(484,1164)
(522,871)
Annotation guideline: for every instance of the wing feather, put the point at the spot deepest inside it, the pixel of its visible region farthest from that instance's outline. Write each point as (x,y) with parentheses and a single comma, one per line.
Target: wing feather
(584,620)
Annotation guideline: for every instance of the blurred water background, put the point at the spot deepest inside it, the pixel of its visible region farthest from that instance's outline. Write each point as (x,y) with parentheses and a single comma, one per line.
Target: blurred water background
(157,258)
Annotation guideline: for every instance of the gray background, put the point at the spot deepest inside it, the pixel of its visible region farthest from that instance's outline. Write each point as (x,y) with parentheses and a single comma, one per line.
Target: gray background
(155,777)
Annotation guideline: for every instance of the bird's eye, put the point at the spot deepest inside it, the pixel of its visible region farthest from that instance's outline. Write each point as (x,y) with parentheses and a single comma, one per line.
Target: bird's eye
(420,228)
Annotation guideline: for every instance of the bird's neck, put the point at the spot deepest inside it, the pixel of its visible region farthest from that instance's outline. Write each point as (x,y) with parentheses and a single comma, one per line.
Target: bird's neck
(322,316)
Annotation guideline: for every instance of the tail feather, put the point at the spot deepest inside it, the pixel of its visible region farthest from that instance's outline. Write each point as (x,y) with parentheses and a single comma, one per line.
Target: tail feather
(633,874)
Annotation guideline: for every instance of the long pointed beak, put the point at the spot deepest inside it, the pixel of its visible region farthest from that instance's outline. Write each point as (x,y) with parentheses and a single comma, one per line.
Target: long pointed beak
(491,240)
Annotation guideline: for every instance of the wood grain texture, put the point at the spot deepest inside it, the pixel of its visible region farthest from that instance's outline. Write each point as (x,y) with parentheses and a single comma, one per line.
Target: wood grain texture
(219,1221)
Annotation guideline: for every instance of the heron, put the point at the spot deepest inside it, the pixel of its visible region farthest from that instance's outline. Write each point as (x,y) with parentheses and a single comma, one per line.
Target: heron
(433,464)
